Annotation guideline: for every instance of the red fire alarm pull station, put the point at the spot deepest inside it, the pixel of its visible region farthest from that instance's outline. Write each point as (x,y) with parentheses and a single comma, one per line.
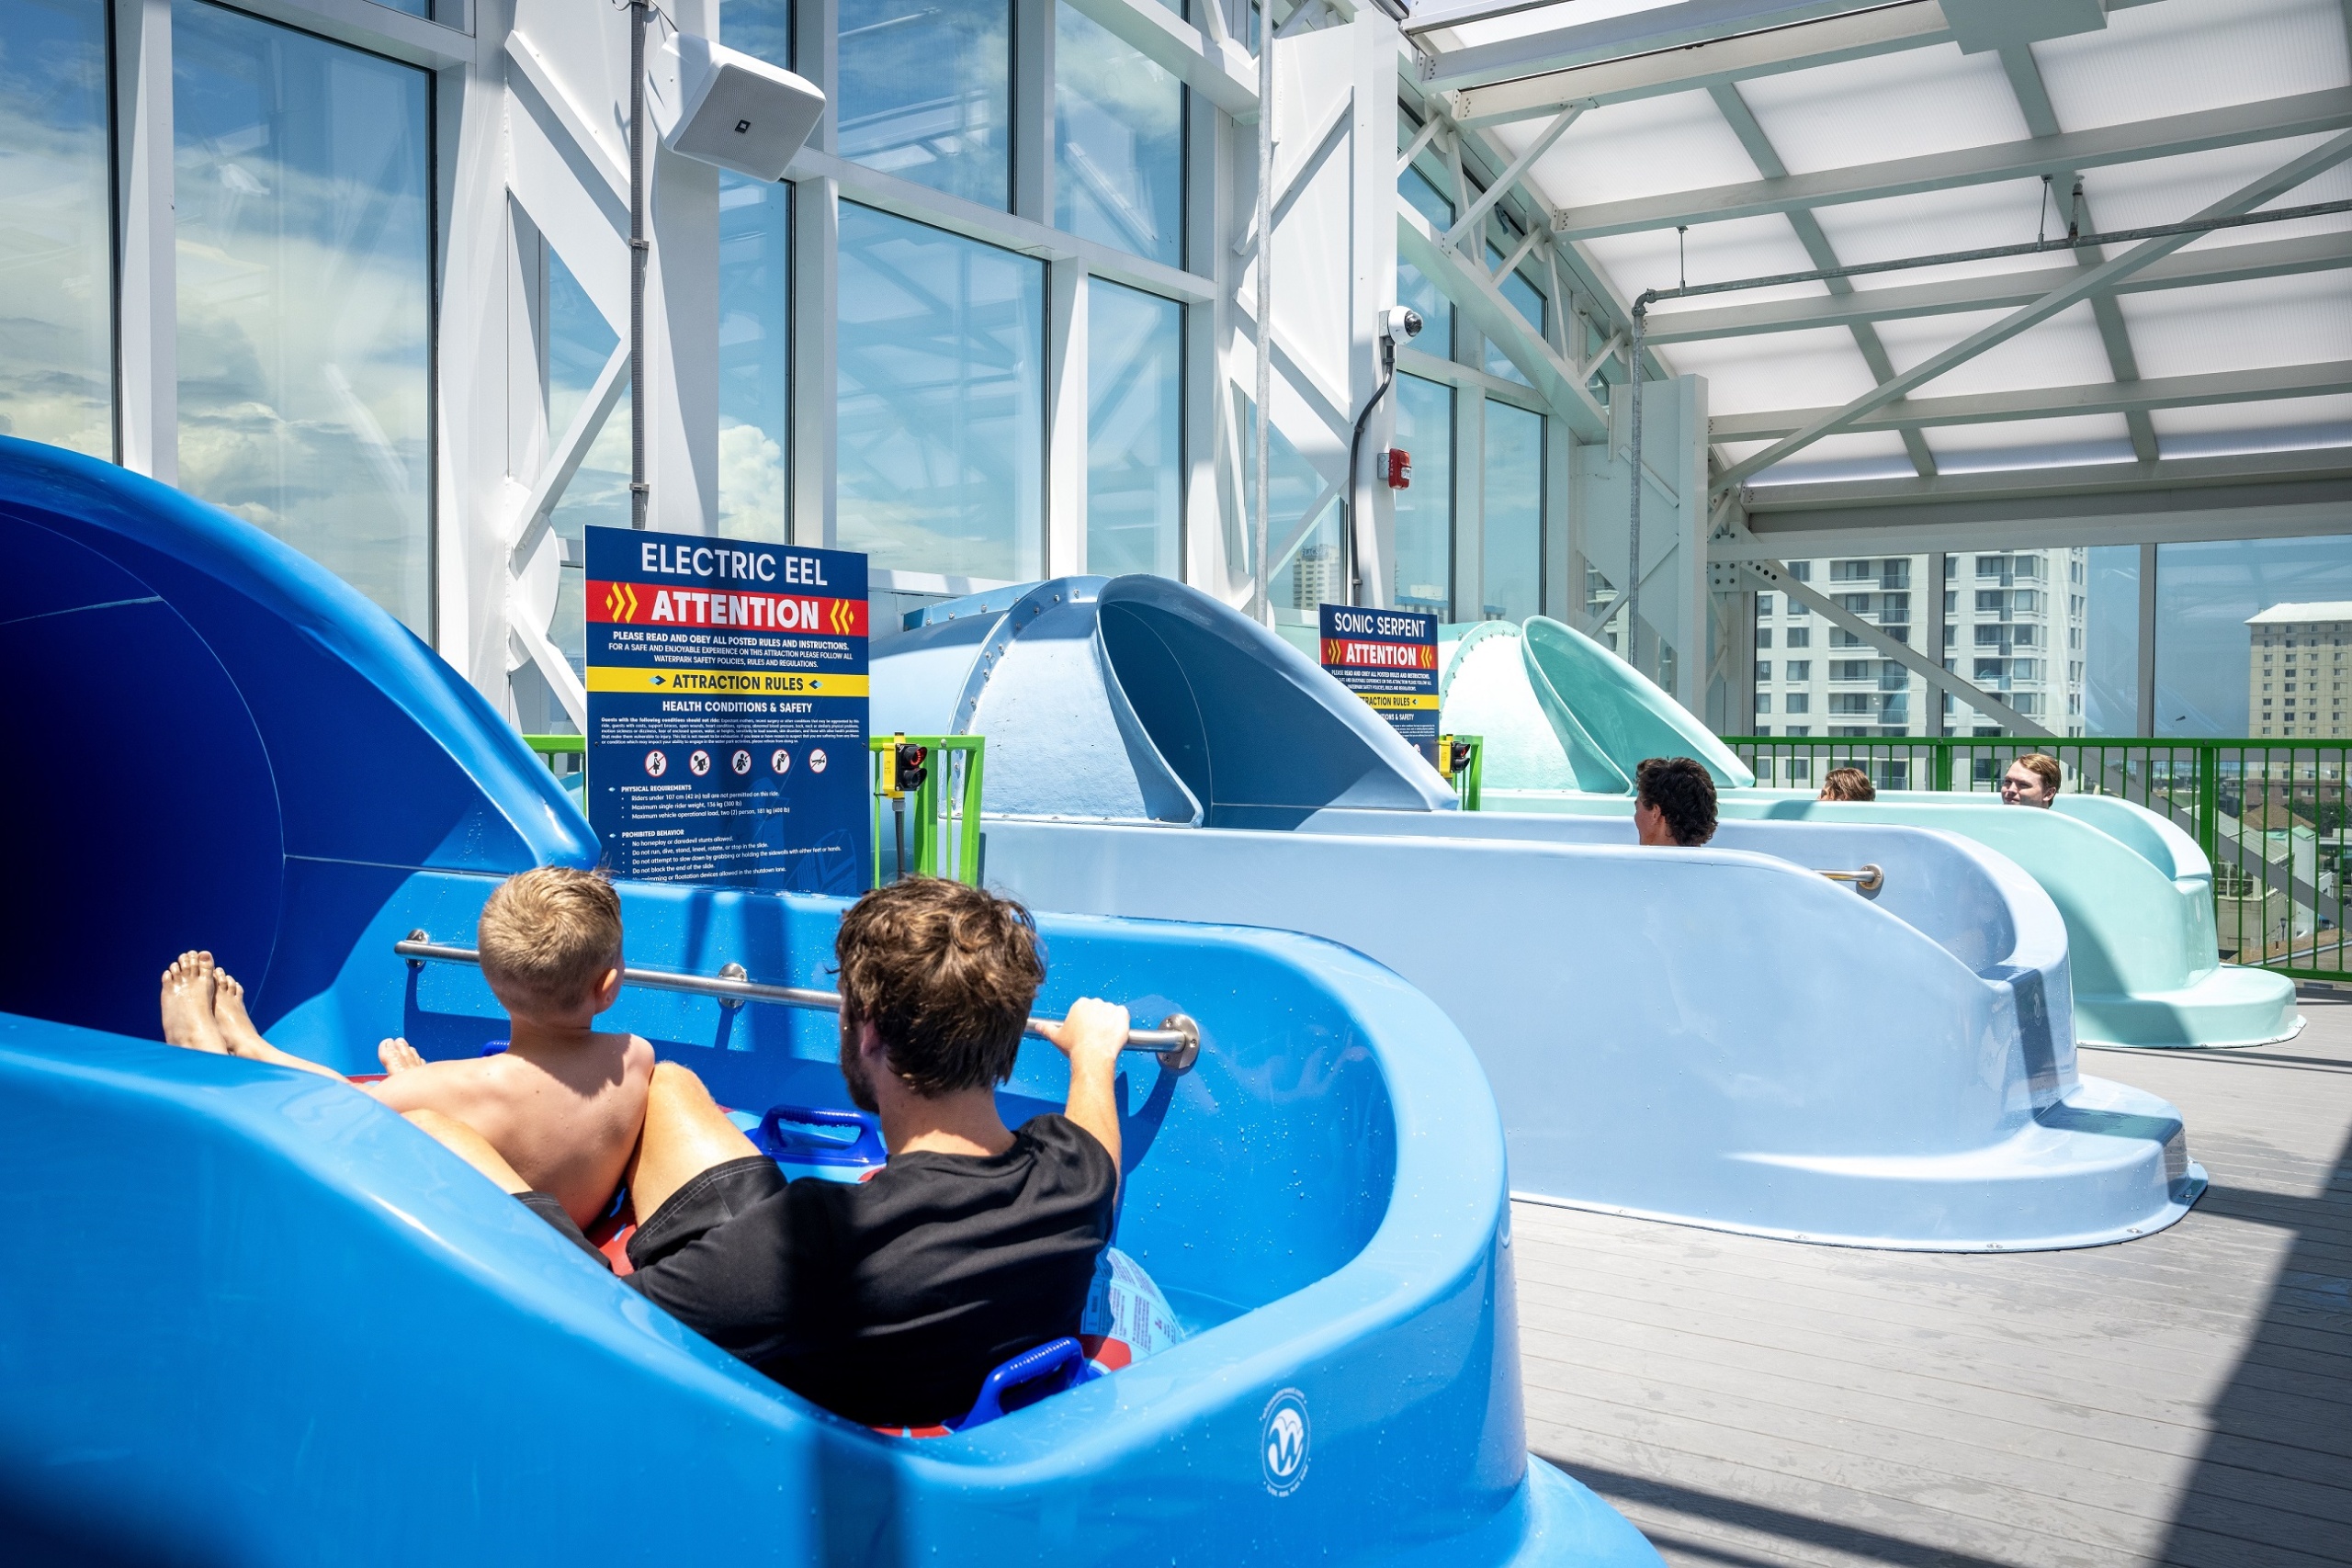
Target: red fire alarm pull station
(1396,468)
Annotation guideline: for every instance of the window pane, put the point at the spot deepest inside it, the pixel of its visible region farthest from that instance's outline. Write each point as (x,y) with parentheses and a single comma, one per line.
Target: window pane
(754,356)
(1308,565)
(762,28)
(1415,291)
(1118,143)
(923,93)
(2111,655)
(1135,430)
(579,344)
(57,328)
(1425,508)
(942,399)
(304,208)
(1528,301)
(2208,658)
(1511,560)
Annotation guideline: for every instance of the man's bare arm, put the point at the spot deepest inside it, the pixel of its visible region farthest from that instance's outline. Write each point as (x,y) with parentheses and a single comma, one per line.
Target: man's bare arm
(1091,1037)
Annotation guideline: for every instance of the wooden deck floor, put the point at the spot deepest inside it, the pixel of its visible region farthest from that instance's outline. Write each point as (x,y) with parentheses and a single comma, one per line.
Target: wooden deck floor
(2183,1399)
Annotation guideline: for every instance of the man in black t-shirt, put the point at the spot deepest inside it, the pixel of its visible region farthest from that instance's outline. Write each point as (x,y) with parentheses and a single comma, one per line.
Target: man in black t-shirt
(888,1300)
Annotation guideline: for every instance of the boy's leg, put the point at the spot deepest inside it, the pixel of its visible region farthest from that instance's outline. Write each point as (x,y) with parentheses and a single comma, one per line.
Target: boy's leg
(685,1135)
(468,1146)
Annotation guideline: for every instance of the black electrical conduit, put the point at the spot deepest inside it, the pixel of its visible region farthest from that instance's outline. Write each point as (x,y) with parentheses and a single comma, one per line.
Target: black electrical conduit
(1356,447)
(2073,241)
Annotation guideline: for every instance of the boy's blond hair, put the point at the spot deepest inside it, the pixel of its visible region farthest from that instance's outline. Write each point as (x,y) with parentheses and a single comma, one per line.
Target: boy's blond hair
(547,936)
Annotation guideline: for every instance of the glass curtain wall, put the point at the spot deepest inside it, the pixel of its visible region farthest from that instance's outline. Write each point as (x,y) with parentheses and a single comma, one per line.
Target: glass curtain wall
(1524,297)
(1511,544)
(56,239)
(1424,579)
(941,401)
(761,27)
(1135,430)
(1414,290)
(1118,143)
(926,93)
(1308,567)
(754,356)
(304,219)
(2206,650)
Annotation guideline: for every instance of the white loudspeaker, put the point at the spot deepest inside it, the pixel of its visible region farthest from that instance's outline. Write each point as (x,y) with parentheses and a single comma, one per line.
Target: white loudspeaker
(723,106)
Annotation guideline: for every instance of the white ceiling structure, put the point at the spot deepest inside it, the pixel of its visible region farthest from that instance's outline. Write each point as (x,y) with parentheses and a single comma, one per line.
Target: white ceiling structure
(1780,136)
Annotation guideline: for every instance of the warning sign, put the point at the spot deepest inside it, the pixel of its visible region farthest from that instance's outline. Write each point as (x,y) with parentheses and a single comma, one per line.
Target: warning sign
(1389,659)
(714,666)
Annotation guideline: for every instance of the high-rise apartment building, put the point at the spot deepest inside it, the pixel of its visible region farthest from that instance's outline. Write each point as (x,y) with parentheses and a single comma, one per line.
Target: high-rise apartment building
(2012,625)
(2294,671)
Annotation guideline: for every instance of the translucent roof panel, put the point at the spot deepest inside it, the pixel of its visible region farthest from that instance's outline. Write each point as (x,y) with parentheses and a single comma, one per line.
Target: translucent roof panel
(1678,142)
(1894,106)
(1535,20)
(2285,424)
(1970,218)
(2304,318)
(2031,444)
(2169,190)
(1784,370)
(2064,350)
(1744,247)
(1875,455)
(2185,55)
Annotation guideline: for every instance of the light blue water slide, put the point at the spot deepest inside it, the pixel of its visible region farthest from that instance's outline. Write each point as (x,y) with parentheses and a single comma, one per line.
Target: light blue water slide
(261,1320)
(1566,722)
(1719,1036)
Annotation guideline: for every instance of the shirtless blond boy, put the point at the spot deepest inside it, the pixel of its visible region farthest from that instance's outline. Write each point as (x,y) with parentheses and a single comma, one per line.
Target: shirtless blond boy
(563,1104)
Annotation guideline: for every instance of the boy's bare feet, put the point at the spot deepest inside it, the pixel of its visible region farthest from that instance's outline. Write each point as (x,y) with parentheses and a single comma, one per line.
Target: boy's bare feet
(235,1024)
(188,1004)
(399,1056)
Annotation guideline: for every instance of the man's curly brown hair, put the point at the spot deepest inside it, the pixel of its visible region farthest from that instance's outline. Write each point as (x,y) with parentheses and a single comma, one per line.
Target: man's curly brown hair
(946,975)
(1684,792)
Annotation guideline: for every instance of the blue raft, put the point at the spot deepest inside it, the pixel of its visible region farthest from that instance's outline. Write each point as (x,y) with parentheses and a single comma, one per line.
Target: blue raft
(1717,1037)
(259,1319)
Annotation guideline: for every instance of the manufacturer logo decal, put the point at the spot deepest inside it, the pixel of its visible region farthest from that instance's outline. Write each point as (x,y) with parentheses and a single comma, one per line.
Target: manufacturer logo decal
(1283,1436)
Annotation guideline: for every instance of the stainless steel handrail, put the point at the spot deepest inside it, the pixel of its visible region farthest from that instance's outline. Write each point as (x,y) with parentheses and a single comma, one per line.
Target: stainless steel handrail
(1177,1041)
(1870,879)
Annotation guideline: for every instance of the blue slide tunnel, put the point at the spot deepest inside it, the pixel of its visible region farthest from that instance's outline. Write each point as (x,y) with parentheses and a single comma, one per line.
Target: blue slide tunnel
(259,1319)
(1719,1036)
(1566,722)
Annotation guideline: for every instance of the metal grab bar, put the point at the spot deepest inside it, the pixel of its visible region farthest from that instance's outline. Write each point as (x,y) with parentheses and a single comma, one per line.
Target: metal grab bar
(1177,1041)
(1870,879)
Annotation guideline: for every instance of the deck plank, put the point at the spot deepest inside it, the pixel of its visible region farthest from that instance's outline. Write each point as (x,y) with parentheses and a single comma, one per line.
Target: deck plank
(2184,1399)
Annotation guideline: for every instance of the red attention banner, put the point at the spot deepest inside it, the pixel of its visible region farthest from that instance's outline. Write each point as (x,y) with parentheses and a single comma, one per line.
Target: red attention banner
(1347,653)
(637,604)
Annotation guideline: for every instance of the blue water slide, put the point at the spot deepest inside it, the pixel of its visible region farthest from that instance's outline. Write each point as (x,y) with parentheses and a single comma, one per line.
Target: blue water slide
(1559,714)
(1719,1036)
(272,1323)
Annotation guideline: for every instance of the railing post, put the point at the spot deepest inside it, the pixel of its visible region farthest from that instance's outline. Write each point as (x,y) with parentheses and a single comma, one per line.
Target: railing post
(2209,799)
(1943,767)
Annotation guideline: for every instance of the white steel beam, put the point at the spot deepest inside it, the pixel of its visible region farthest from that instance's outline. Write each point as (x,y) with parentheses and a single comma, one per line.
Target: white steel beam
(2190,269)
(2301,114)
(2080,286)
(1476,295)
(2054,403)
(1467,222)
(1769,576)
(1526,77)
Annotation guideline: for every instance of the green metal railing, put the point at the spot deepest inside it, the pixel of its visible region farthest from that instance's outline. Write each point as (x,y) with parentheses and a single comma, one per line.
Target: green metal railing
(946,819)
(2270,815)
(1462,762)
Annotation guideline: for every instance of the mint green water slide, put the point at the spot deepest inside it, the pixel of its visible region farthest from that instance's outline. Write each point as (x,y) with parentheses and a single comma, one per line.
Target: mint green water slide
(1566,722)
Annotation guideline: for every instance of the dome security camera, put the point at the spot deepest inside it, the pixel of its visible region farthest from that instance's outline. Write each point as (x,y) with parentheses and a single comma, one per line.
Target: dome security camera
(1399,324)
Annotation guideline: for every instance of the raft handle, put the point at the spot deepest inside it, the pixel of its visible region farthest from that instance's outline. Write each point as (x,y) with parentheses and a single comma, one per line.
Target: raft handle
(1866,881)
